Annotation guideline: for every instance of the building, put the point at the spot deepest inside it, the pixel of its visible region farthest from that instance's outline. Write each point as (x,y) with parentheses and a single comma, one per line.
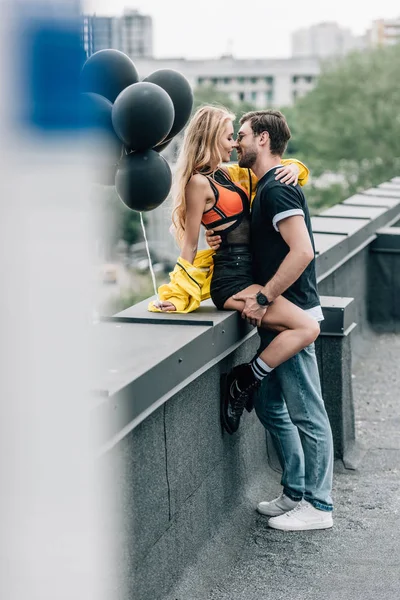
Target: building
(97,33)
(324,40)
(132,33)
(262,82)
(384,32)
(136,34)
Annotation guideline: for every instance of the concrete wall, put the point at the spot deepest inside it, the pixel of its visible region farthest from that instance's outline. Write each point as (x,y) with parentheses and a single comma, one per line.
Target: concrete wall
(384,280)
(351,281)
(176,478)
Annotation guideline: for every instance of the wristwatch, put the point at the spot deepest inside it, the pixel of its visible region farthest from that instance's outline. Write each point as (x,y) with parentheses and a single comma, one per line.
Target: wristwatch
(262,299)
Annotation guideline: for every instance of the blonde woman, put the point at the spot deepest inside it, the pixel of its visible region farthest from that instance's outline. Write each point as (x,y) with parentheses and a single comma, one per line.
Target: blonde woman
(205,194)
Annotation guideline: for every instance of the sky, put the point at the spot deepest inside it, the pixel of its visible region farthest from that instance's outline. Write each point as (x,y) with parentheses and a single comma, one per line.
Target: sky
(247,29)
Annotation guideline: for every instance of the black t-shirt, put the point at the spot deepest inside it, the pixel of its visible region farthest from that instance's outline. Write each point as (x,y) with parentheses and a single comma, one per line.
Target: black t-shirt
(273,202)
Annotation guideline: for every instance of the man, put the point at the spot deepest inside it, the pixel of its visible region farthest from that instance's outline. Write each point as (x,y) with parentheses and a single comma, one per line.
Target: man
(289,402)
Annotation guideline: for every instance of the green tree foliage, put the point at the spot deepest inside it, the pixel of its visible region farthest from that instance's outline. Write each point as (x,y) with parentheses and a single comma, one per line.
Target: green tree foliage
(349,124)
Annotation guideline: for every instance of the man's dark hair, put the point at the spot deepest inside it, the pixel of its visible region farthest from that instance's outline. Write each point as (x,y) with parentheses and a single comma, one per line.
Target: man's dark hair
(275,123)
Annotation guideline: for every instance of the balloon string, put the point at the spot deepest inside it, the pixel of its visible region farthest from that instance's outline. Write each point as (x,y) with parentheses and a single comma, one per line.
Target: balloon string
(149,257)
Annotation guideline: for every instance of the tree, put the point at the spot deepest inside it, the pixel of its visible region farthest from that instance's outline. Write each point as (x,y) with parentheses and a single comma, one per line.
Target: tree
(349,124)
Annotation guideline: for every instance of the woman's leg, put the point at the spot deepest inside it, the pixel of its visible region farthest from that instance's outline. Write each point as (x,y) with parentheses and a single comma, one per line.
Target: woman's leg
(297,331)
(296,328)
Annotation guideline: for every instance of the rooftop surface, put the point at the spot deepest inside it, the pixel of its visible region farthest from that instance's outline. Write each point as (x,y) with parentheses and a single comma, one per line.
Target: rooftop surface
(359,558)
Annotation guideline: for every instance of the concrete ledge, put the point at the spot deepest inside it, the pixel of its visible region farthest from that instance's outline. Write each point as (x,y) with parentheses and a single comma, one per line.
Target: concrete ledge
(387,240)
(344,229)
(339,315)
(130,386)
(334,361)
(384,281)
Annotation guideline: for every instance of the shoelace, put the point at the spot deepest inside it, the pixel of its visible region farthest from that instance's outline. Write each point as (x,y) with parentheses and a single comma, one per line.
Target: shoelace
(301,506)
(239,402)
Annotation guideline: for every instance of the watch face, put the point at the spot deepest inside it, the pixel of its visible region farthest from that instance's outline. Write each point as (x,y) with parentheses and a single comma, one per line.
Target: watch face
(262,299)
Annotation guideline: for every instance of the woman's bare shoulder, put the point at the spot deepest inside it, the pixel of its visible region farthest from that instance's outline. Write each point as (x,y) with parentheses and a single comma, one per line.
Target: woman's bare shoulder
(197,182)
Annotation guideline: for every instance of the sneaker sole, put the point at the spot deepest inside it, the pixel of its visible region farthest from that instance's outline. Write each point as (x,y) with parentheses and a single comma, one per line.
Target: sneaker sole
(310,527)
(224,386)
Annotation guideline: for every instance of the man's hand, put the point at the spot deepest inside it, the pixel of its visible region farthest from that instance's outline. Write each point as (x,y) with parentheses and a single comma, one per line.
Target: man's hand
(252,311)
(166,306)
(213,239)
(288,174)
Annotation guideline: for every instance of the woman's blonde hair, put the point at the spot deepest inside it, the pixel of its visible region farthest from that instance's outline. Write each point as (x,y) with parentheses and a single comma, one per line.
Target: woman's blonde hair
(199,153)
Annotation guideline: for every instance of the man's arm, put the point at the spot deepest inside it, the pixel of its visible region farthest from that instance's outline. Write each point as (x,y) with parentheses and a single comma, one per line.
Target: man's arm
(301,253)
(295,233)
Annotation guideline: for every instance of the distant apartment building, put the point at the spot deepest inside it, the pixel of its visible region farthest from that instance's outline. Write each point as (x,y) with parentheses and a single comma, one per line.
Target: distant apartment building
(324,40)
(132,33)
(384,32)
(262,82)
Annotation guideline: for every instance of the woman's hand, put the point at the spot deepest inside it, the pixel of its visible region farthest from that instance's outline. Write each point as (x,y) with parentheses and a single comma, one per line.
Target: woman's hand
(288,174)
(166,306)
(213,239)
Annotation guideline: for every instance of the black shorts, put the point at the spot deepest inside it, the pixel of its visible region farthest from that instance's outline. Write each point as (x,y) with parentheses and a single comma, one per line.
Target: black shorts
(232,273)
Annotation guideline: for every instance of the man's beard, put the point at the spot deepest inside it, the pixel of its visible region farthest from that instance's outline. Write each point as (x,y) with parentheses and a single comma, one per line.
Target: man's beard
(247,160)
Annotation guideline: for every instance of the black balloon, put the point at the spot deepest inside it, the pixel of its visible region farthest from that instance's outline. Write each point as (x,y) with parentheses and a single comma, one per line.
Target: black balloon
(180,92)
(143,180)
(162,146)
(108,72)
(95,113)
(142,115)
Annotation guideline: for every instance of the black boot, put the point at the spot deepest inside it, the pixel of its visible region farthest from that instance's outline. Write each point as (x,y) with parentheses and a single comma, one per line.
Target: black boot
(237,389)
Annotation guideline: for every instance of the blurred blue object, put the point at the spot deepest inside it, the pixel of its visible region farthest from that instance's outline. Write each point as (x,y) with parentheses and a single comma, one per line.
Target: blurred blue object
(51,58)
(95,115)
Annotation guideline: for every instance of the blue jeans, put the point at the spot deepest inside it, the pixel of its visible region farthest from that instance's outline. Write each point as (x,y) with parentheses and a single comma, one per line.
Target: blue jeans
(290,406)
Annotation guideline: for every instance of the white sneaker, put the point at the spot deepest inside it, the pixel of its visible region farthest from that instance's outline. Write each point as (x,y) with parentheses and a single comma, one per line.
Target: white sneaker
(279,506)
(302,518)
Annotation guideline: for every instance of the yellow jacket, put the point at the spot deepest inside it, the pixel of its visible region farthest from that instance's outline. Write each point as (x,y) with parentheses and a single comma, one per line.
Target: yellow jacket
(190,283)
